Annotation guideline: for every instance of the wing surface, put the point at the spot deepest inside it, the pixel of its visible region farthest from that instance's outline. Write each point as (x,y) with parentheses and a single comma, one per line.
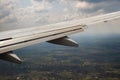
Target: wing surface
(54,33)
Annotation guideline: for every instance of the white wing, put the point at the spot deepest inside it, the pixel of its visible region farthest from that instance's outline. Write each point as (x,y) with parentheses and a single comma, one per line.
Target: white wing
(53,33)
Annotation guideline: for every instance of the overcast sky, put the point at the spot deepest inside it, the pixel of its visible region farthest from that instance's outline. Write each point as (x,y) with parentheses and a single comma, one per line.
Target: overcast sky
(27,13)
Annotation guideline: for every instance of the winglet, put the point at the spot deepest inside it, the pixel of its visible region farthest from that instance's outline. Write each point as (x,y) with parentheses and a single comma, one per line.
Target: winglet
(10,56)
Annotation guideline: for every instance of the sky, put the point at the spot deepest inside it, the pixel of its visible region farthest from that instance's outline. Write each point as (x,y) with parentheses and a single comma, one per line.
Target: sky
(30,13)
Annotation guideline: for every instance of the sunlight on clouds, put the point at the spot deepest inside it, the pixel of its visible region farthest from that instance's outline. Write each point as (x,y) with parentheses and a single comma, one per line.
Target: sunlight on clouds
(83,5)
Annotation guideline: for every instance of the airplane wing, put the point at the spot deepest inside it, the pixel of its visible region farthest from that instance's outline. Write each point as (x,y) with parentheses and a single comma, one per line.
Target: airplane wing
(54,33)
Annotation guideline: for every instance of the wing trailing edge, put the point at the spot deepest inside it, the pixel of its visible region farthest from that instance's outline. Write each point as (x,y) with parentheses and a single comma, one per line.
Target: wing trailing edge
(64,41)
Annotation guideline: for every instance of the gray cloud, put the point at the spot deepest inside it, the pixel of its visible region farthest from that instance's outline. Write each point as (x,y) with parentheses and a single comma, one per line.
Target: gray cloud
(7,11)
(11,20)
(4,13)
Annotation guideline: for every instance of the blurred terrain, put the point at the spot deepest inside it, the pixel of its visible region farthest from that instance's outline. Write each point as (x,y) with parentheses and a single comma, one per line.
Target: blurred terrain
(97,58)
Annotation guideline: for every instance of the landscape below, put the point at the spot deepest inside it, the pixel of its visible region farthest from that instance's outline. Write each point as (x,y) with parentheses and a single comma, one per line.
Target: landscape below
(97,58)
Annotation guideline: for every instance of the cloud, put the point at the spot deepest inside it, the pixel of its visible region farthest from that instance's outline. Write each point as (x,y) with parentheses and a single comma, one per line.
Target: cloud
(41,5)
(31,15)
(83,5)
(40,12)
(7,11)
(4,13)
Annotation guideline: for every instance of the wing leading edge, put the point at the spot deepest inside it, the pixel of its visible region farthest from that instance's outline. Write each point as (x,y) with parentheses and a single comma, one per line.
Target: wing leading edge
(53,33)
